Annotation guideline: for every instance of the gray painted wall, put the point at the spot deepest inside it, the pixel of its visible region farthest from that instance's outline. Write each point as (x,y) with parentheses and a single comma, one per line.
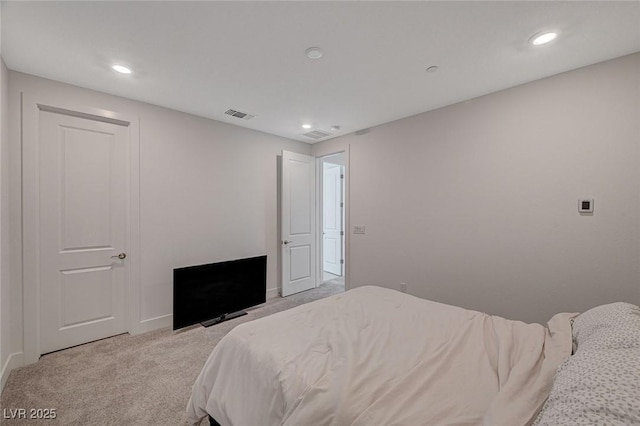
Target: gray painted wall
(5,295)
(476,204)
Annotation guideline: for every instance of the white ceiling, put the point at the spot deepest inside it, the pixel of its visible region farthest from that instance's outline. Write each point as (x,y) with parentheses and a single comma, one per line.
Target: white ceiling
(206,57)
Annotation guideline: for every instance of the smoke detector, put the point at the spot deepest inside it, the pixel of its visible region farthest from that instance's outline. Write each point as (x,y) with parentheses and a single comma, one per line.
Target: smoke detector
(314,53)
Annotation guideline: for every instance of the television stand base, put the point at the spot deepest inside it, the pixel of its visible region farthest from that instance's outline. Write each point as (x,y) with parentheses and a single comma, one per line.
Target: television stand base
(222,318)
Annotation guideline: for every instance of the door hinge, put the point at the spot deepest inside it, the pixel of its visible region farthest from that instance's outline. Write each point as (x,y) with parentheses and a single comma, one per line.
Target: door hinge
(341,233)
(342,261)
(341,204)
(341,176)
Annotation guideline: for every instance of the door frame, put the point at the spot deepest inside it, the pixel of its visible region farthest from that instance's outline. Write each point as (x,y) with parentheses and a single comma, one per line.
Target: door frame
(319,217)
(30,110)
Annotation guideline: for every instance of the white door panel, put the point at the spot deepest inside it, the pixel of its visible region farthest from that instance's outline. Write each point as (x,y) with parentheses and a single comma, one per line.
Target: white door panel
(83,173)
(78,291)
(298,223)
(300,262)
(86,186)
(332,218)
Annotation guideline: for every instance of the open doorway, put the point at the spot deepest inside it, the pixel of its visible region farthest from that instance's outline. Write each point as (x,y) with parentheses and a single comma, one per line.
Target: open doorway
(332,220)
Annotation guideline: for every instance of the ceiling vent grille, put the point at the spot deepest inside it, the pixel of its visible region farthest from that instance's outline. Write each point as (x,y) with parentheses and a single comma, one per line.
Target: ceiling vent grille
(238,114)
(316,134)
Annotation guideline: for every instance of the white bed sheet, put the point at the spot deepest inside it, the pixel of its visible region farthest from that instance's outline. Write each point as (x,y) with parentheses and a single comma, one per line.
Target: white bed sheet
(373,356)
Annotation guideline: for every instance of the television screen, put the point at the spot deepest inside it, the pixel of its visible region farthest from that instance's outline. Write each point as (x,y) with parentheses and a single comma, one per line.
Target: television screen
(204,292)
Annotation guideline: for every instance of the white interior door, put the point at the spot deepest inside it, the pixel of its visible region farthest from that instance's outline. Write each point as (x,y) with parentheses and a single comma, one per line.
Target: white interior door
(332,218)
(298,223)
(83,174)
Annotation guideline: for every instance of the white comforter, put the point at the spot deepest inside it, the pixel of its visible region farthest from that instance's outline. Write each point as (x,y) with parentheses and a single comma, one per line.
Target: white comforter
(373,356)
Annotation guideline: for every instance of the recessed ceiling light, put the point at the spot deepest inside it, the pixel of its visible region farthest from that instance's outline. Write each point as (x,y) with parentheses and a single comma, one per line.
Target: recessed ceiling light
(432,68)
(335,128)
(306,126)
(121,69)
(314,53)
(543,38)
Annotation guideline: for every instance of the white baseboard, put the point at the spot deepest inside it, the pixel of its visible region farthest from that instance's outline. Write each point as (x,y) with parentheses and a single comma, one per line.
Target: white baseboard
(153,324)
(15,360)
(272,293)
(167,320)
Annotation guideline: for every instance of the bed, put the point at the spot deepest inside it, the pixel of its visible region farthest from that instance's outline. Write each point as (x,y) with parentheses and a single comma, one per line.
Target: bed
(374,356)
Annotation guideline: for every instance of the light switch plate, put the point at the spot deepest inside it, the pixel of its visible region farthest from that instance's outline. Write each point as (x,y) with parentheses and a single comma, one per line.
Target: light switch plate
(358,229)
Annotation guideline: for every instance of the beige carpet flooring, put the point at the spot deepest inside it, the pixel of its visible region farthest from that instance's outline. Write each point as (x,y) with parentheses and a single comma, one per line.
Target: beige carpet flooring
(127,380)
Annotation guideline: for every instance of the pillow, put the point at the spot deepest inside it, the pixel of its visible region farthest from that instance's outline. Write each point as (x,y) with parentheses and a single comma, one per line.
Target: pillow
(600,384)
(599,387)
(616,325)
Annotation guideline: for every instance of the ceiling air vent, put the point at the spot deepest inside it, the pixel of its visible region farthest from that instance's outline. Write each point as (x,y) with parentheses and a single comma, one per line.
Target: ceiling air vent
(316,134)
(238,114)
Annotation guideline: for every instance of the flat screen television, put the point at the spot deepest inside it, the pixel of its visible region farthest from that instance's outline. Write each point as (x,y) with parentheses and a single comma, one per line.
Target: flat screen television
(215,292)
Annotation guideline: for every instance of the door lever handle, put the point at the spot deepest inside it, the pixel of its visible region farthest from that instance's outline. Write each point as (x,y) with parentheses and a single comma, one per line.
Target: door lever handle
(120,256)
(285,242)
